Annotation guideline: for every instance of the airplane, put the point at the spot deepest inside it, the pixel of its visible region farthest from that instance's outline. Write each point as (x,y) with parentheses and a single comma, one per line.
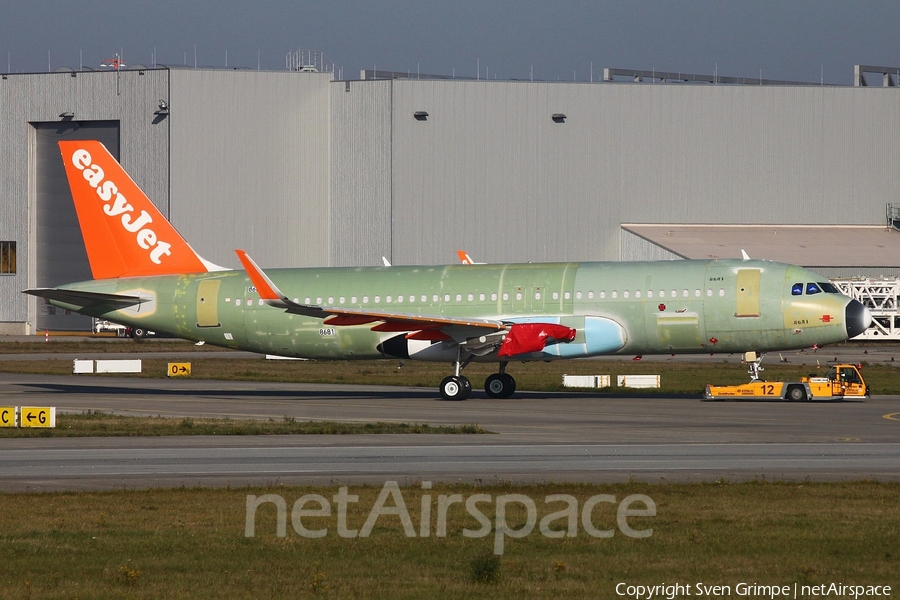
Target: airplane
(146,275)
(465,259)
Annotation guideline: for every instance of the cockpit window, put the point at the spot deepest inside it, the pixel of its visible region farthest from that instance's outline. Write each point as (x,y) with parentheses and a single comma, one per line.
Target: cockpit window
(828,288)
(797,289)
(812,288)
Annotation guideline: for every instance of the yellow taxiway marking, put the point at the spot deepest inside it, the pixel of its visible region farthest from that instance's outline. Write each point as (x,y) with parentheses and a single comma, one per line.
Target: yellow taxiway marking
(891,416)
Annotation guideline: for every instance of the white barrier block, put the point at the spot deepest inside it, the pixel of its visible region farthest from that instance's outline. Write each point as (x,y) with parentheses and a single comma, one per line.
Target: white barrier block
(586,381)
(638,381)
(119,366)
(83,366)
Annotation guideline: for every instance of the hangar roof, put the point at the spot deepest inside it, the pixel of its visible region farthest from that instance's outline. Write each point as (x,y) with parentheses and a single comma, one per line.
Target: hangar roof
(807,245)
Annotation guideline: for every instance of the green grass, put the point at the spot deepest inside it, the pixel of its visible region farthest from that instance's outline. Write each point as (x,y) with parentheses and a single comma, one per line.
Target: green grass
(678,377)
(190,543)
(98,423)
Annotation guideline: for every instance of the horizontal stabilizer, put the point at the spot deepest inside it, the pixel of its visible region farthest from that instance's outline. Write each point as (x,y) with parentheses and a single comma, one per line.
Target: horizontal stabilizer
(87,299)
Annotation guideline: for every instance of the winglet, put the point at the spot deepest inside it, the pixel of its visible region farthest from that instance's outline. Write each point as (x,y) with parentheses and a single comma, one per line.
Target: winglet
(124,234)
(464,257)
(267,290)
(744,254)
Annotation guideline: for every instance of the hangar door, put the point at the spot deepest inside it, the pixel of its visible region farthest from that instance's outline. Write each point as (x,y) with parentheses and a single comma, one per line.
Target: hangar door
(60,256)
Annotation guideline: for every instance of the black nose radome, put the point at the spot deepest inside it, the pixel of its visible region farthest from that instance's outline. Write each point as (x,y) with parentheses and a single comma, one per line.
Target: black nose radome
(857,317)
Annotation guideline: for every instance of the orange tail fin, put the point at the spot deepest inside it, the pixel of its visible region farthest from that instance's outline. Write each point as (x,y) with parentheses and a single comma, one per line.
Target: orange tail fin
(125,235)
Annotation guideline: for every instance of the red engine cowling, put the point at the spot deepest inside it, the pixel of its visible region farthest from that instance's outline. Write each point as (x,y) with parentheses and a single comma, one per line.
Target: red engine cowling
(524,338)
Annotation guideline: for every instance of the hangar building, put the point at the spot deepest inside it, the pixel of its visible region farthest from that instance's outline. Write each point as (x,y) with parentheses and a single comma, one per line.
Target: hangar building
(301,169)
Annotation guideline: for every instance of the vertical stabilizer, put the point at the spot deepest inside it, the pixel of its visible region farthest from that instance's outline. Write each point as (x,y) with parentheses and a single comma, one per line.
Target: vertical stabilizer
(124,234)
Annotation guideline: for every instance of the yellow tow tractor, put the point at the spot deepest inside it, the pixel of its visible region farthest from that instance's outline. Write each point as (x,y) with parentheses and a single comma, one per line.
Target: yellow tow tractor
(841,381)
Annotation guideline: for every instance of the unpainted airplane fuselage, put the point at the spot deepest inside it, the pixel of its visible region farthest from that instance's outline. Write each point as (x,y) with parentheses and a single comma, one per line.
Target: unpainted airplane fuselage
(716,306)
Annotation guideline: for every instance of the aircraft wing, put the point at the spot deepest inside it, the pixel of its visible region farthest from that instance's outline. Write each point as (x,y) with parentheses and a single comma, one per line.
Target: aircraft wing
(434,327)
(87,299)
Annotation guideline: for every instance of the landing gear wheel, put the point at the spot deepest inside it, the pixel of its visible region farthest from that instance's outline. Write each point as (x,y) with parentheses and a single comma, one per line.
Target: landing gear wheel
(455,388)
(138,333)
(500,385)
(466,384)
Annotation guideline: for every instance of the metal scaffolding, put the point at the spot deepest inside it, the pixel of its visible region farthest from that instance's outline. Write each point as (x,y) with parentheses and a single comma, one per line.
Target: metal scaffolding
(882,297)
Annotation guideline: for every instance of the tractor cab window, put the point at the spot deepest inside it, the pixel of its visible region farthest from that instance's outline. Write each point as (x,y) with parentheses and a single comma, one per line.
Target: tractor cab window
(813,288)
(849,376)
(797,289)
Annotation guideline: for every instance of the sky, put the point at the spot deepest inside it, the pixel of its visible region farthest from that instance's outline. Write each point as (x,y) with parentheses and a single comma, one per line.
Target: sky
(505,39)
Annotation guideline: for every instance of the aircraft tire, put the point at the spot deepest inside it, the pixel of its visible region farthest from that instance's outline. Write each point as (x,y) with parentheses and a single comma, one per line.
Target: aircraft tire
(454,388)
(138,333)
(500,385)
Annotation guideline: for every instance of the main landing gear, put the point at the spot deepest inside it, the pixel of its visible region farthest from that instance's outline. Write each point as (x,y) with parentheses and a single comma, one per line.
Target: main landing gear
(500,385)
(458,387)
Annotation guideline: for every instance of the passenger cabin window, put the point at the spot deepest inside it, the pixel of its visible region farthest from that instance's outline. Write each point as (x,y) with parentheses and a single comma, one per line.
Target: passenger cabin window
(812,288)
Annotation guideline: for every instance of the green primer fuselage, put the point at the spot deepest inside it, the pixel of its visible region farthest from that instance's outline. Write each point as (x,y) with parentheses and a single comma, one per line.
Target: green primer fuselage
(719,306)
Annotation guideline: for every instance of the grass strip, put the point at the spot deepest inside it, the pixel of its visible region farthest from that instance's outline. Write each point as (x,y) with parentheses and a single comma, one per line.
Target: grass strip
(191,543)
(97,423)
(677,377)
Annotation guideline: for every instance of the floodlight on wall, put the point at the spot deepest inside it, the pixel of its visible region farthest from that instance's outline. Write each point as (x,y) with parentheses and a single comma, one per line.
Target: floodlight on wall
(163,108)
(68,115)
(420,115)
(558,117)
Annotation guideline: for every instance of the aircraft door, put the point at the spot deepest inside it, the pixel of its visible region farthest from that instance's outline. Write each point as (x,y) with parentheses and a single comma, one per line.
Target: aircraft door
(514,300)
(747,293)
(537,299)
(208,303)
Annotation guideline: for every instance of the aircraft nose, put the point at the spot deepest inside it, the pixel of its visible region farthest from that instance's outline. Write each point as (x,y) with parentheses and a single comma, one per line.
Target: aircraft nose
(857,317)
